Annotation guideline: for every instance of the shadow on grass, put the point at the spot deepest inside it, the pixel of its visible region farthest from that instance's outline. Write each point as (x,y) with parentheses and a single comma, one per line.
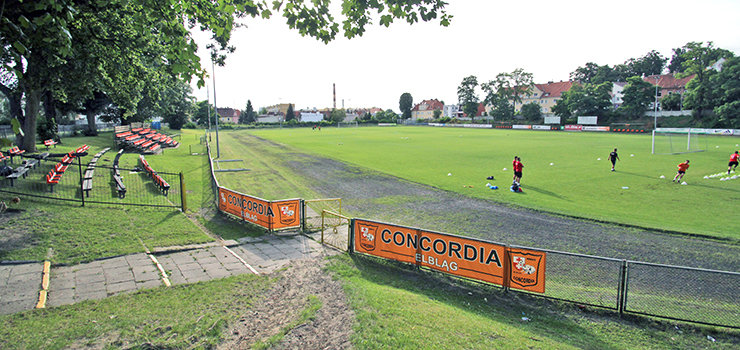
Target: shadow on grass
(545,192)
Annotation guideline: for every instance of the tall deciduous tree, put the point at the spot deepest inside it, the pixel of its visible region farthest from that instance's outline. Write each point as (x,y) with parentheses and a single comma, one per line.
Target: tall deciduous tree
(405,104)
(638,94)
(584,100)
(532,111)
(508,88)
(727,85)
(696,60)
(467,96)
(337,115)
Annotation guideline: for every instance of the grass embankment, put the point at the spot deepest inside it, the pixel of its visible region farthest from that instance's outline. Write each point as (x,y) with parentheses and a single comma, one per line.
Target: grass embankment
(402,308)
(562,171)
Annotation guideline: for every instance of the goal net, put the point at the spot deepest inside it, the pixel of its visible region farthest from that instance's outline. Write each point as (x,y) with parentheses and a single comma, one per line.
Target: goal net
(678,141)
(347,125)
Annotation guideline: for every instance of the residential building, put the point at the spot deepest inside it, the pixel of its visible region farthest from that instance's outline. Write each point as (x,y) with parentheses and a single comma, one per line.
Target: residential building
(452,111)
(546,95)
(228,115)
(425,109)
(617,93)
(669,84)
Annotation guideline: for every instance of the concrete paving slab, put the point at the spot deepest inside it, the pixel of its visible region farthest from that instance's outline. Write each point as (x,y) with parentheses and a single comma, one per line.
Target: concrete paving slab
(92,295)
(121,287)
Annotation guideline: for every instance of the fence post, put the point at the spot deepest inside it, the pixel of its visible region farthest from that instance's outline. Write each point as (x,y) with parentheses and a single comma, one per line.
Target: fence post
(351,238)
(82,180)
(303,215)
(183,197)
(622,288)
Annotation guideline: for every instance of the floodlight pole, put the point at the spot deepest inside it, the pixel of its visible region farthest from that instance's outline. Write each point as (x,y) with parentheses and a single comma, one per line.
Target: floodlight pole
(218,149)
(655,122)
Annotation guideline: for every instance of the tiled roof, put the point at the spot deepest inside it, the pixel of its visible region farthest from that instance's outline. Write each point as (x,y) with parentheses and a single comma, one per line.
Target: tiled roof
(432,105)
(669,81)
(554,89)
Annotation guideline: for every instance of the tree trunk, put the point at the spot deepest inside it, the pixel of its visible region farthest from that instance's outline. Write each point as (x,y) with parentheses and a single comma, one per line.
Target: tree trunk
(91,127)
(28,124)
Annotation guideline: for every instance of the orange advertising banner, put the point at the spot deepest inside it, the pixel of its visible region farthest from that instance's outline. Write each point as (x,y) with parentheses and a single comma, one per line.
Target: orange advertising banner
(386,241)
(460,256)
(252,209)
(527,270)
(230,201)
(287,213)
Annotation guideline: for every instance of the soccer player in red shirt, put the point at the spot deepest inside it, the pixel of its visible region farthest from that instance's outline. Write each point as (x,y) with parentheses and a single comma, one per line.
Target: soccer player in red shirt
(733,162)
(681,171)
(518,166)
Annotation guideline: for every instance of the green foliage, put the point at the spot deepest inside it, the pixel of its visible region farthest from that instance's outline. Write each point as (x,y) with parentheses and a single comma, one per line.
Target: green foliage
(585,100)
(532,112)
(248,115)
(650,64)
(696,58)
(47,129)
(506,91)
(672,102)
(405,104)
(337,115)
(190,125)
(290,114)
(638,94)
(726,86)
(387,116)
(202,112)
(467,96)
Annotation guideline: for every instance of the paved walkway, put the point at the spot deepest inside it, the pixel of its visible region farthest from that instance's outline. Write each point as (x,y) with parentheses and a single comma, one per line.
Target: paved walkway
(22,283)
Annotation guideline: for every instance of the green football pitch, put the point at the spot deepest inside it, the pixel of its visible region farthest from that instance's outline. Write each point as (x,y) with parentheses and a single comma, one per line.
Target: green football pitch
(564,172)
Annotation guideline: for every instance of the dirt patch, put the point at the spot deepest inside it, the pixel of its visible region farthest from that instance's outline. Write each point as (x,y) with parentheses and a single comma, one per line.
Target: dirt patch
(331,327)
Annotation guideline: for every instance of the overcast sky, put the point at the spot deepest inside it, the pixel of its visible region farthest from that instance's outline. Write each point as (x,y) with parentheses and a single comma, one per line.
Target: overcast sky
(273,64)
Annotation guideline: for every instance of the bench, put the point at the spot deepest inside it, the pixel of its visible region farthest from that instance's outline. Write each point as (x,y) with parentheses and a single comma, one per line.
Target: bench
(15,151)
(20,171)
(87,179)
(50,142)
(52,178)
(120,187)
(161,184)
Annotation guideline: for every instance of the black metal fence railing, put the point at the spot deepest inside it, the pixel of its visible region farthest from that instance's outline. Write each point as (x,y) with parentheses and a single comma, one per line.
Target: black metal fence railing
(683,293)
(583,279)
(140,189)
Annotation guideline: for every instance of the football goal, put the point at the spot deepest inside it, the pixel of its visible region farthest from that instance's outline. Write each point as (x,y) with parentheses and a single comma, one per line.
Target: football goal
(347,125)
(679,141)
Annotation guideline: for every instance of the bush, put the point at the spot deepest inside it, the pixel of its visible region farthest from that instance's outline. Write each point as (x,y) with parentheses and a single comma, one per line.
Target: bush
(190,125)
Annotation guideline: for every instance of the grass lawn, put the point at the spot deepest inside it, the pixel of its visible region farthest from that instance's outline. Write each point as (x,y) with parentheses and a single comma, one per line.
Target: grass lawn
(562,171)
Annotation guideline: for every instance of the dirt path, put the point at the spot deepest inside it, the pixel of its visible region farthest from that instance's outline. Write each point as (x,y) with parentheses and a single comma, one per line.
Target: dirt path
(331,327)
(372,195)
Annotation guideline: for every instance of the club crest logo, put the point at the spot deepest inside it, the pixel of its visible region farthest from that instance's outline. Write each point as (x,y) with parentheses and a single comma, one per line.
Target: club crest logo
(367,236)
(287,213)
(524,268)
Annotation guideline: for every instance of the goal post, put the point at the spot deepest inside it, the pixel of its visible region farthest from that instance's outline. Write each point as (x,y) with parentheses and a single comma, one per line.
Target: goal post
(347,124)
(678,141)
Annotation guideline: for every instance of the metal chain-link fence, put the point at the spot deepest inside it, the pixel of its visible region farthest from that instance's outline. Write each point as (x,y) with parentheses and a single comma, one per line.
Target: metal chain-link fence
(82,182)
